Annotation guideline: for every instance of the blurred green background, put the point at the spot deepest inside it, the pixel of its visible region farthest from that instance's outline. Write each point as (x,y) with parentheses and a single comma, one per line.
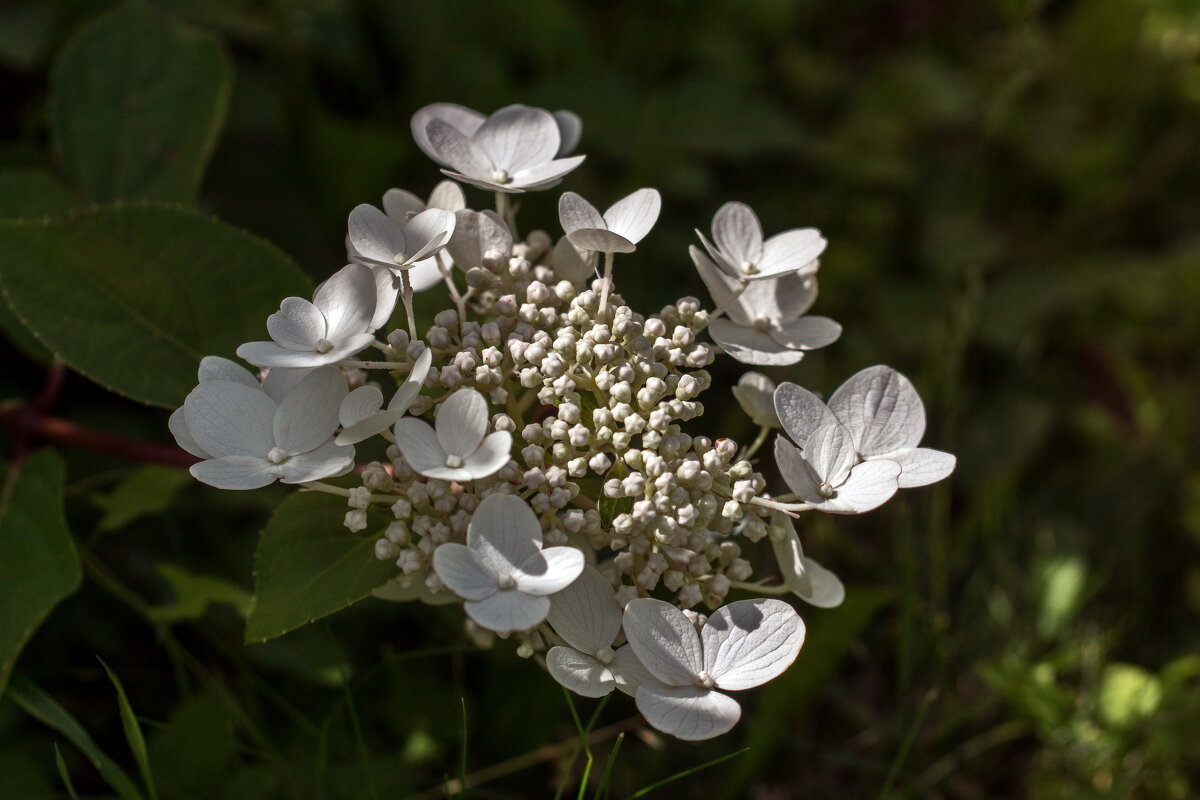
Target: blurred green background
(1011,190)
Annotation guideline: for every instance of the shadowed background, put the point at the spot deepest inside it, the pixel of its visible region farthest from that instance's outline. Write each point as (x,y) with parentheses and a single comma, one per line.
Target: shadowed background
(1010,194)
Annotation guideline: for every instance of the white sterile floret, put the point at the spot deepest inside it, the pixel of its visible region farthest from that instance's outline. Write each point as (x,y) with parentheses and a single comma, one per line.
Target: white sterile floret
(402,206)
(381,241)
(362,414)
(334,326)
(765,321)
(740,251)
(251,441)
(476,235)
(586,615)
(502,572)
(571,265)
(212,368)
(807,579)
(885,417)
(458,450)
(618,230)
(742,645)
(755,393)
(516,149)
(829,476)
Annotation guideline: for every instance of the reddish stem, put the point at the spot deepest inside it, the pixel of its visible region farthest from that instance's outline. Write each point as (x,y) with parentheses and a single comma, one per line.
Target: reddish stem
(29,422)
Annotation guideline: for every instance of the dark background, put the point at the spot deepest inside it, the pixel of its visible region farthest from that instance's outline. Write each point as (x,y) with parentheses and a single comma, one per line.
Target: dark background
(1010,194)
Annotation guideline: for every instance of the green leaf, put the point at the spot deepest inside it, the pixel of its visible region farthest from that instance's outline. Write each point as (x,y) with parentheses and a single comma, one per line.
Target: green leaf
(1128,694)
(64,774)
(309,566)
(38,562)
(134,296)
(147,490)
(136,104)
(32,193)
(195,593)
(1062,583)
(46,709)
(133,733)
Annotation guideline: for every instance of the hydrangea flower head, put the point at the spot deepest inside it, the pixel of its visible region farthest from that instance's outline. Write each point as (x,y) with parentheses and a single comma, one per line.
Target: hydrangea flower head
(502,571)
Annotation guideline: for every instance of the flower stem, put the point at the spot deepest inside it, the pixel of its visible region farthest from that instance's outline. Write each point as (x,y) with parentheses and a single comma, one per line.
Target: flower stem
(763,433)
(406,292)
(607,285)
(761,588)
(318,486)
(388,365)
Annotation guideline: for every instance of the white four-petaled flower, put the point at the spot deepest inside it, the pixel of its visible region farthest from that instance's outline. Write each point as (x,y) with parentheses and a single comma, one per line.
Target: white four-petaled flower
(742,645)
(807,579)
(516,149)
(379,240)
(765,321)
(586,615)
(458,447)
(738,248)
(362,413)
(334,326)
(618,230)
(250,440)
(885,417)
(829,476)
(502,572)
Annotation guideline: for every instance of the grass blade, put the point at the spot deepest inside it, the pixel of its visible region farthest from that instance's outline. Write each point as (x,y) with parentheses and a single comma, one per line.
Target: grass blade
(133,733)
(648,789)
(41,706)
(62,773)
(602,789)
(462,763)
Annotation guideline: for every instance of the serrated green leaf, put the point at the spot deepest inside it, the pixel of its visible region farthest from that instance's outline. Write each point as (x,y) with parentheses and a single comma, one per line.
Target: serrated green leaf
(147,490)
(134,296)
(195,593)
(46,709)
(38,562)
(133,733)
(309,565)
(136,104)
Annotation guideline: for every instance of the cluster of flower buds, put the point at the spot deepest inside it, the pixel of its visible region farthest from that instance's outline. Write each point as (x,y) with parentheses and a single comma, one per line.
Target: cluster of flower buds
(538,470)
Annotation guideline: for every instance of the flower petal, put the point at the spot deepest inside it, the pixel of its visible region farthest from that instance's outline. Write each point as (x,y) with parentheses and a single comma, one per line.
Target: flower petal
(215,368)
(475,234)
(870,485)
(234,472)
(230,419)
(505,534)
(586,614)
(518,137)
(411,387)
(633,216)
(281,380)
(824,589)
(792,251)
(359,405)
(575,213)
(750,642)
(387,292)
(750,346)
(401,205)
(463,573)
(544,175)
(807,333)
(297,325)
(348,301)
(327,461)
(579,672)
(427,232)
(375,236)
(419,445)
(570,265)
(664,640)
(458,151)
(425,274)
(269,354)
(448,195)
(829,450)
(800,411)
(550,571)
(492,455)
(722,287)
(921,466)
(687,712)
(461,118)
(461,422)
(796,472)
(738,233)
(177,423)
(755,392)
(308,416)
(629,672)
(570,127)
(508,611)
(882,409)
(601,241)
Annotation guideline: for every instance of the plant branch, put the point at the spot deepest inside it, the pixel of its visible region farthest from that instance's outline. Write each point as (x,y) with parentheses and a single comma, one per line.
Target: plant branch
(28,421)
